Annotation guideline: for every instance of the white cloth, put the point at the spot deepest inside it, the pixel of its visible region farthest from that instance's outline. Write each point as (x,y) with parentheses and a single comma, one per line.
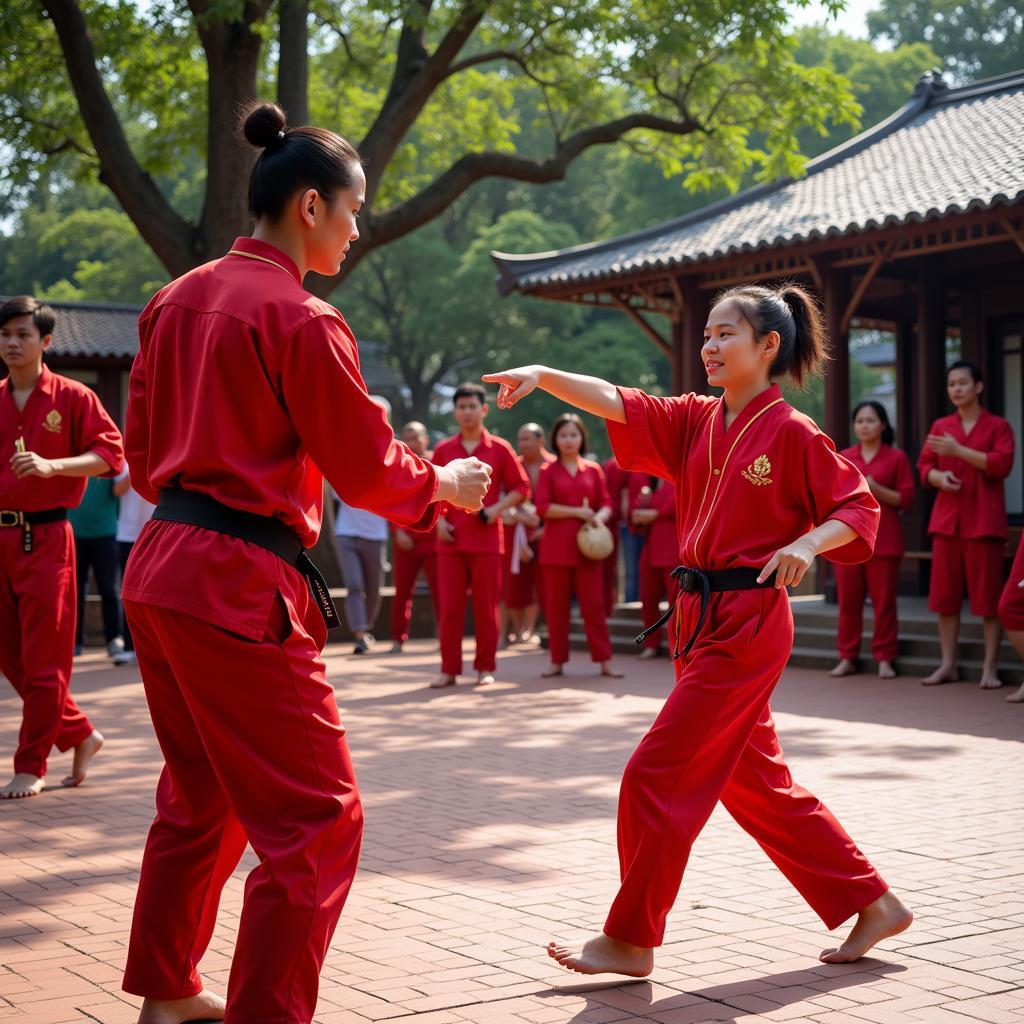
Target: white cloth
(133,512)
(357,522)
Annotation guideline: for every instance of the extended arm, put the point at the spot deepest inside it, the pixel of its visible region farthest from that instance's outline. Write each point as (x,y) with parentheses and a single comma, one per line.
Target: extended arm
(591,394)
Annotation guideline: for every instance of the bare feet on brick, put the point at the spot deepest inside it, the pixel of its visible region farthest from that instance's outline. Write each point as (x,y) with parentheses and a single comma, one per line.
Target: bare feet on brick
(604,955)
(990,680)
(23,785)
(203,1006)
(552,671)
(886,917)
(887,670)
(846,667)
(442,681)
(943,674)
(484,678)
(609,670)
(84,753)
(1017,697)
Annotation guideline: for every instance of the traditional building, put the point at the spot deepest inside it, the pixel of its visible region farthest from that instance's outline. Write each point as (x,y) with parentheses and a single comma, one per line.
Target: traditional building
(915,228)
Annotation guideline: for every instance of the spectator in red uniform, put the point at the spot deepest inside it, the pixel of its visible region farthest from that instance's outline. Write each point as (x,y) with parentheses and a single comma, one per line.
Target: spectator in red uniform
(570,492)
(653,508)
(470,545)
(891,479)
(1011,613)
(966,457)
(411,553)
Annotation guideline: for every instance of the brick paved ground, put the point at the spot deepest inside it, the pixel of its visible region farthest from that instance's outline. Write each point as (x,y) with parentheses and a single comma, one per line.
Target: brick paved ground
(490,829)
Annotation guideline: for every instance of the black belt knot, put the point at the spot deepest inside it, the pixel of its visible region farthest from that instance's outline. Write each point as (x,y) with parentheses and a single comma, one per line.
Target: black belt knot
(176,505)
(705,582)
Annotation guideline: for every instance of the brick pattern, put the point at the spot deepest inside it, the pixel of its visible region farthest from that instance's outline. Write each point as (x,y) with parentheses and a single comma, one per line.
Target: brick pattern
(490,830)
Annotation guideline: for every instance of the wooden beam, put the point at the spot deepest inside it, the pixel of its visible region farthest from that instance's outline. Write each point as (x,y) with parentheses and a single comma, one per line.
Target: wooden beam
(884,252)
(651,333)
(1017,234)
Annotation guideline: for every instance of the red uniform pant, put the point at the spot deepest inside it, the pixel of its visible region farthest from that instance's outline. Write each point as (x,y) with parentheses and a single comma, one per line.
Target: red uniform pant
(877,577)
(1011,604)
(656,585)
(37,640)
(972,565)
(587,581)
(714,740)
(458,574)
(254,751)
(406,566)
(611,574)
(519,589)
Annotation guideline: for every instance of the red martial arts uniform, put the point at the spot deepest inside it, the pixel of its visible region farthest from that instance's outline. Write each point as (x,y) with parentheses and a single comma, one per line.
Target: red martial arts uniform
(242,388)
(473,561)
(661,550)
(741,494)
(61,419)
(406,566)
(565,569)
(968,528)
(1011,604)
(880,574)
(522,589)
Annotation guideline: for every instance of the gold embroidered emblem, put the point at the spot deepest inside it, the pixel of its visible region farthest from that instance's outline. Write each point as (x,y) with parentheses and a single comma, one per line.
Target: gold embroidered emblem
(759,472)
(53,421)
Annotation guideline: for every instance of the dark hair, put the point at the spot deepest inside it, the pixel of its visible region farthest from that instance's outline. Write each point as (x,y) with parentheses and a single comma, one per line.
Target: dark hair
(42,315)
(964,364)
(793,313)
(888,435)
(470,390)
(293,159)
(563,420)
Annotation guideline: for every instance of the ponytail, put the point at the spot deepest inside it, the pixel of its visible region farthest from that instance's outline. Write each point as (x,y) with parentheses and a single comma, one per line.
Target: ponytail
(793,314)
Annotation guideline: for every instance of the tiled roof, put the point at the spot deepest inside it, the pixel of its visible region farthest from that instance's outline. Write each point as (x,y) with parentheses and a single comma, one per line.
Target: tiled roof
(946,151)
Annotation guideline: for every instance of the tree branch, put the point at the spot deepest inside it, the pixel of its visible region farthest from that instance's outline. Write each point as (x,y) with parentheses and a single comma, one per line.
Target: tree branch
(168,234)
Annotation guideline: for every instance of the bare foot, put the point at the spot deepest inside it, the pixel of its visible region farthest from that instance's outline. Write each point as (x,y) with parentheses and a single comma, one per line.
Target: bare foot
(990,681)
(943,674)
(484,678)
(442,681)
(609,671)
(886,670)
(554,670)
(22,785)
(886,917)
(605,955)
(1017,697)
(846,667)
(84,753)
(396,648)
(204,1006)
(647,653)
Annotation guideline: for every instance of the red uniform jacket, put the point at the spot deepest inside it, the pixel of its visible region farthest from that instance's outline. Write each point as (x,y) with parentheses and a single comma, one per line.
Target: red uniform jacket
(978,509)
(62,418)
(472,534)
(891,468)
(248,388)
(662,546)
(556,486)
(742,494)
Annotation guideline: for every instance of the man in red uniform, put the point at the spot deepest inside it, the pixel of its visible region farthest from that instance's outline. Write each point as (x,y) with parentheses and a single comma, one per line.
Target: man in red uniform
(1011,613)
(521,587)
(411,552)
(966,457)
(470,545)
(54,433)
(653,507)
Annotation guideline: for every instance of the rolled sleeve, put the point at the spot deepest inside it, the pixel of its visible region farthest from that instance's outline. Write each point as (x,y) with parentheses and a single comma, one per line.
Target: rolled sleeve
(1000,459)
(653,437)
(98,435)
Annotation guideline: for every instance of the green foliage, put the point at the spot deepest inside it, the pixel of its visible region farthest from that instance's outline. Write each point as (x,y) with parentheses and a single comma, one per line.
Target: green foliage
(974,40)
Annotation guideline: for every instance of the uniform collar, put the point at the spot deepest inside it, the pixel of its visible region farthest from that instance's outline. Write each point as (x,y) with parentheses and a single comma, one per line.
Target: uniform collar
(484,442)
(750,410)
(44,383)
(267,254)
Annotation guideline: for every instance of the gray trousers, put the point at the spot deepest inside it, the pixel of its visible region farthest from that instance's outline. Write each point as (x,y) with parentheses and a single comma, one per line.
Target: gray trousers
(361,567)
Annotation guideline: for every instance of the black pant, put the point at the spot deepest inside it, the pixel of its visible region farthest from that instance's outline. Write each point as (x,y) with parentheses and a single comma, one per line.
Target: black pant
(124,549)
(100,555)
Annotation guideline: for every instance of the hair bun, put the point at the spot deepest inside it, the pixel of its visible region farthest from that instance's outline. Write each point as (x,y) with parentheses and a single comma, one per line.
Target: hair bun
(263,124)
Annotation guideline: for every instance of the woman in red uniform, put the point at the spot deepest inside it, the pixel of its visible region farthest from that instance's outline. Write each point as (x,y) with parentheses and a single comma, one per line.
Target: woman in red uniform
(888,473)
(570,492)
(233,418)
(653,506)
(761,492)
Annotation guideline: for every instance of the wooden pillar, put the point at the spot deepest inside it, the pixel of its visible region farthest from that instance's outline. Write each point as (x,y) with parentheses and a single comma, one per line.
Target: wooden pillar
(906,427)
(835,296)
(108,387)
(929,361)
(690,338)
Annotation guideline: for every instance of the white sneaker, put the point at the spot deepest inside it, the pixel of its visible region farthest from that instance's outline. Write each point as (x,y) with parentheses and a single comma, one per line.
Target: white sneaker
(116,646)
(125,658)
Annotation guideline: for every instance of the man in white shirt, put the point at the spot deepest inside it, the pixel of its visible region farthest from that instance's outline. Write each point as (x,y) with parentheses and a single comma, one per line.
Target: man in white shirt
(359,538)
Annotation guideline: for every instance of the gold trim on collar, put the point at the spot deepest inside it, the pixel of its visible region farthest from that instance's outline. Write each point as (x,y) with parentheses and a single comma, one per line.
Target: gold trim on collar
(721,476)
(262,259)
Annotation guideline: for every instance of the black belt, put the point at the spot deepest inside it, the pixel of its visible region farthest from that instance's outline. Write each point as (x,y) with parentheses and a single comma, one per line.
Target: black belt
(26,520)
(196,509)
(707,582)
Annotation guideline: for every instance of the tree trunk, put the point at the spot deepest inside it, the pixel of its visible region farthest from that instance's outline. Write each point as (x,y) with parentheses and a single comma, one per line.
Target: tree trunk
(293,61)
